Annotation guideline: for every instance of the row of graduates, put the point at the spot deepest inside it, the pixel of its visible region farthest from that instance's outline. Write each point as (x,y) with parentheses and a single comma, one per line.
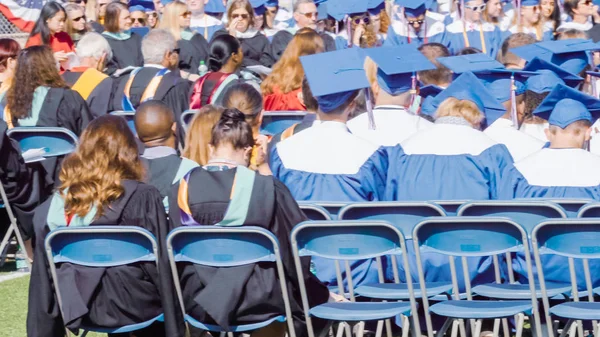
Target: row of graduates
(472,151)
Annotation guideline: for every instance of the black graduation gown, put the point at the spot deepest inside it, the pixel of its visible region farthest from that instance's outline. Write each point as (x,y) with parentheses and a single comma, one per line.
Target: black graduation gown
(97,27)
(22,183)
(125,53)
(99,99)
(173,90)
(162,171)
(247,294)
(257,49)
(192,52)
(110,297)
(282,38)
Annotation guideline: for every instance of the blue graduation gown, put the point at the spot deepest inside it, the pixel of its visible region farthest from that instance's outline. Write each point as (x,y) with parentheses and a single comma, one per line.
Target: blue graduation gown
(554,173)
(445,162)
(327,163)
(455,41)
(401,33)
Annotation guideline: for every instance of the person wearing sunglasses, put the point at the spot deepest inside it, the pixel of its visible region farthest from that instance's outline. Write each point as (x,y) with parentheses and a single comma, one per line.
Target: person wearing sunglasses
(138,16)
(379,19)
(193,47)
(76,22)
(271,10)
(471,30)
(415,25)
(355,27)
(530,21)
(125,44)
(201,22)
(580,14)
(240,24)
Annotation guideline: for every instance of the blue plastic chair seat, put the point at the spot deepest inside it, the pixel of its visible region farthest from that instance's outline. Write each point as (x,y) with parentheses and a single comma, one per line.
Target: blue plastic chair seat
(519,291)
(127,328)
(480,309)
(577,310)
(236,328)
(352,311)
(394,291)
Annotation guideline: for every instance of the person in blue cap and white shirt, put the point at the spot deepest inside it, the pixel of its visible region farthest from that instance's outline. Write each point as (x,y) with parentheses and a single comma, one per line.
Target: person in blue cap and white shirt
(530,21)
(472,31)
(416,25)
(376,8)
(201,22)
(327,162)
(562,170)
(392,74)
(357,29)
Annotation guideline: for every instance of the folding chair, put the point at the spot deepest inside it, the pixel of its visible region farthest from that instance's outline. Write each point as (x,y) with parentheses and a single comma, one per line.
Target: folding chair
(314,212)
(217,246)
(55,142)
(333,207)
(101,246)
(450,206)
(186,118)
(129,117)
(352,240)
(573,239)
(591,210)
(571,206)
(274,122)
(473,237)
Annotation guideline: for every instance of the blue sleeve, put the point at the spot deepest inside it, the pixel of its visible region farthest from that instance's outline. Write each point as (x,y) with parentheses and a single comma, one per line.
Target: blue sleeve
(341,43)
(393,39)
(437,38)
(376,175)
(508,181)
(275,162)
(395,157)
(496,159)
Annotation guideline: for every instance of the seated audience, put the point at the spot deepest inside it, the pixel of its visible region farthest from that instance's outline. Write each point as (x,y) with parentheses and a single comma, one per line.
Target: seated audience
(126,45)
(49,30)
(197,137)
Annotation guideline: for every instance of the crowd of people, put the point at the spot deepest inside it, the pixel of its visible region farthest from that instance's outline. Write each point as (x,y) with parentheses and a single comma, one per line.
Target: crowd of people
(405,100)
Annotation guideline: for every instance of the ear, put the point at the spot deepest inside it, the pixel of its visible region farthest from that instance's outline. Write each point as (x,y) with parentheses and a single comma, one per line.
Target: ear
(101,62)
(174,127)
(588,134)
(247,155)
(211,151)
(376,89)
(548,134)
(300,97)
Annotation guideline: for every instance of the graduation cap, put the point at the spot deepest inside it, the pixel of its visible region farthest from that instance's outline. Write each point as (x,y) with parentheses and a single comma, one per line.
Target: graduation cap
(375,6)
(570,55)
(414,8)
(338,9)
(137,8)
(468,87)
(538,65)
(397,67)
(272,3)
(215,7)
(430,90)
(165,2)
(258,6)
(529,3)
(565,105)
(334,76)
(147,6)
(470,62)
(428,94)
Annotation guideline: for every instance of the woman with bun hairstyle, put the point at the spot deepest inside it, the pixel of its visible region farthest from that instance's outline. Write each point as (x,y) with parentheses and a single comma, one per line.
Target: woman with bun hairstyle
(224,61)
(247,294)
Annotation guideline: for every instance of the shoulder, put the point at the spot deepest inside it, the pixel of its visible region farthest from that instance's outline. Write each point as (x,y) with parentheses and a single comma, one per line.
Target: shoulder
(443,139)
(63,37)
(490,27)
(143,193)
(34,40)
(437,27)
(455,27)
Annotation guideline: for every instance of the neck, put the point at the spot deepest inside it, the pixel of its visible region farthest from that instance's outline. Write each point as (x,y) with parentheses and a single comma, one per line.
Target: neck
(566,143)
(578,18)
(229,68)
(198,14)
(325,117)
(169,142)
(88,62)
(5,75)
(229,156)
(386,99)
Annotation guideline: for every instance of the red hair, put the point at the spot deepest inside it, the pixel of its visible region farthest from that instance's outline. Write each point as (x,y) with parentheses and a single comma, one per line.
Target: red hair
(9,48)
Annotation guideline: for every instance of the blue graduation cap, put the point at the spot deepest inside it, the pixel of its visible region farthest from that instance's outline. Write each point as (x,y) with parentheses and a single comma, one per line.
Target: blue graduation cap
(470,62)
(498,82)
(570,55)
(147,6)
(396,66)
(538,65)
(531,51)
(259,6)
(565,105)
(468,87)
(529,3)
(165,2)
(137,8)
(322,13)
(375,6)
(544,82)
(430,90)
(334,76)
(428,94)
(272,3)
(414,8)
(338,9)
(215,7)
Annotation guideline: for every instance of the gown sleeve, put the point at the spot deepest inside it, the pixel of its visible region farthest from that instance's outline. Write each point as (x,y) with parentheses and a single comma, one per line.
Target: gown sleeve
(73,112)
(178,99)
(280,42)
(100,98)
(266,59)
(496,159)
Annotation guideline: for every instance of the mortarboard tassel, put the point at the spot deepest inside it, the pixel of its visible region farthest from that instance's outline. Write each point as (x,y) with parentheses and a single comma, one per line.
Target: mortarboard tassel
(413,93)
(337,27)
(513,102)
(593,83)
(372,125)
(349,30)
(519,14)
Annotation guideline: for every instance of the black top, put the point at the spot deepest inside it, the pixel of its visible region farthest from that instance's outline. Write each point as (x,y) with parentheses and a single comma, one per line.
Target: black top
(257,49)
(110,297)
(125,53)
(162,171)
(100,98)
(97,27)
(245,294)
(282,38)
(191,52)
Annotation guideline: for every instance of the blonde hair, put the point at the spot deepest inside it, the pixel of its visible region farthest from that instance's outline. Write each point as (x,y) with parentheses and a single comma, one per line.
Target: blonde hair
(170,17)
(453,107)
(199,133)
(370,70)
(576,128)
(539,26)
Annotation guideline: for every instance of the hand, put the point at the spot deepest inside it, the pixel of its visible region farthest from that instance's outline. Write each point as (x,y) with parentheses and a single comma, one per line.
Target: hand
(60,56)
(261,145)
(358,34)
(231,28)
(335,298)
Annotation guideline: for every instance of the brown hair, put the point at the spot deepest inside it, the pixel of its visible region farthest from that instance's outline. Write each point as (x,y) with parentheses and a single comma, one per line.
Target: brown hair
(571,34)
(111,19)
(288,72)
(247,99)
(245,4)
(91,176)
(310,102)
(9,49)
(233,129)
(569,6)
(35,67)
(69,23)
(576,128)
(452,107)
(370,37)
(199,133)
(441,75)
(513,41)
(385,21)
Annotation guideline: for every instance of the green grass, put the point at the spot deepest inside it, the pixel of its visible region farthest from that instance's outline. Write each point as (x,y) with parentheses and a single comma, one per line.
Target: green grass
(13,308)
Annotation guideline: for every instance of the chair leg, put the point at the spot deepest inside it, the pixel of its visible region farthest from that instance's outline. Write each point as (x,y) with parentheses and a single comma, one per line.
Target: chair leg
(379,330)
(461,327)
(455,324)
(496,329)
(405,326)
(340,331)
(567,328)
(597,330)
(580,329)
(444,328)
(388,327)
(348,330)
(85,332)
(222,334)
(360,330)
(505,328)
(520,322)
(477,330)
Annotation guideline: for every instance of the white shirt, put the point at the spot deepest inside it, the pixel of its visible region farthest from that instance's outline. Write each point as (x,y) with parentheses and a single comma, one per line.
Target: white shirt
(519,144)
(535,130)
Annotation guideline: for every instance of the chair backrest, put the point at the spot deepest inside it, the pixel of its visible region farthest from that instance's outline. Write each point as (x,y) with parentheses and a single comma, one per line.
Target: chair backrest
(186,118)
(275,122)
(571,206)
(347,240)
(218,246)
(314,212)
(129,117)
(55,141)
(527,213)
(573,239)
(591,210)
(404,215)
(332,207)
(450,206)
